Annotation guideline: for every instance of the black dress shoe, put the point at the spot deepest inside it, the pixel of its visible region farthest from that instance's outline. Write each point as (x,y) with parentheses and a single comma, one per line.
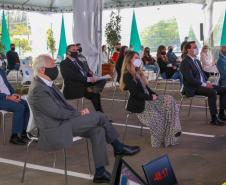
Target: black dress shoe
(104,178)
(222,118)
(17,140)
(217,122)
(25,138)
(128,150)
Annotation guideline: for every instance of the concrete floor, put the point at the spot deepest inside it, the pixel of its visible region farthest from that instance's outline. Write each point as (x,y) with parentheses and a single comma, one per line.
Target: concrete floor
(196,160)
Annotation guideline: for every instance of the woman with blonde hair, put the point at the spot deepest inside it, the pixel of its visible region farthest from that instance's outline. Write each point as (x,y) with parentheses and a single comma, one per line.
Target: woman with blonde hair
(207,61)
(159,113)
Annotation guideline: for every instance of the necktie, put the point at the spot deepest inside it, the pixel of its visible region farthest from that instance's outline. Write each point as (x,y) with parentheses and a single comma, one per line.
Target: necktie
(80,68)
(202,77)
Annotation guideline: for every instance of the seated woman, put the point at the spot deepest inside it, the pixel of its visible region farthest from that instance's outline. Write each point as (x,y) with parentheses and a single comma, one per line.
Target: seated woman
(159,113)
(207,62)
(149,62)
(167,70)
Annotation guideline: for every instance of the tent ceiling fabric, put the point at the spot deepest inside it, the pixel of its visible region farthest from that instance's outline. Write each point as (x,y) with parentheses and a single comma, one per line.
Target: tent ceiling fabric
(66,5)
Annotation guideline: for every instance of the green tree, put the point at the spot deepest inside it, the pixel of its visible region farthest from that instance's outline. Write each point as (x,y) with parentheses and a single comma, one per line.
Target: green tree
(162,33)
(20,29)
(113,29)
(51,43)
(23,45)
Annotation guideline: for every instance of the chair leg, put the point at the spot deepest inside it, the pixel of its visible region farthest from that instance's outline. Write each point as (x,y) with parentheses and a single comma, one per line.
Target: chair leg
(88,155)
(65,167)
(127,117)
(3,128)
(25,162)
(206,102)
(165,87)
(141,129)
(181,101)
(113,96)
(189,110)
(54,159)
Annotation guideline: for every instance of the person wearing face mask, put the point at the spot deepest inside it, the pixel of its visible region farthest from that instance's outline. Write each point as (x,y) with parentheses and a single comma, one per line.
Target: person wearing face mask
(115,55)
(58,122)
(208,64)
(149,62)
(195,83)
(76,74)
(9,101)
(167,70)
(12,59)
(221,65)
(159,113)
(171,56)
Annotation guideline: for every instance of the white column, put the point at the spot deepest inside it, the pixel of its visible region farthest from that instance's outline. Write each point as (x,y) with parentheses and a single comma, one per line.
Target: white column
(87,16)
(208,34)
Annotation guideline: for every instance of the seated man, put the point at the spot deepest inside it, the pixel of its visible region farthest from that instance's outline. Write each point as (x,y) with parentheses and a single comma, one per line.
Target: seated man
(12,59)
(195,83)
(13,103)
(76,74)
(58,122)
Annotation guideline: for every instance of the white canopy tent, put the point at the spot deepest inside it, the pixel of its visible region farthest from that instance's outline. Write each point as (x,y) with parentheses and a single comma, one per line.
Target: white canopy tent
(88,15)
(66,5)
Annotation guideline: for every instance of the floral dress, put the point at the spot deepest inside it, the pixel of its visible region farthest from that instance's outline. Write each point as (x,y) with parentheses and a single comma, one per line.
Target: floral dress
(162,117)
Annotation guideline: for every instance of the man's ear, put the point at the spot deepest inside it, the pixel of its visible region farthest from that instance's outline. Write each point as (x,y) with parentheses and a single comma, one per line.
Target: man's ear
(41,70)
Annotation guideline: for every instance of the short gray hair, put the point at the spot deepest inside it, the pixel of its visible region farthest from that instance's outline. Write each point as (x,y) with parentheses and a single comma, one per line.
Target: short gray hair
(39,62)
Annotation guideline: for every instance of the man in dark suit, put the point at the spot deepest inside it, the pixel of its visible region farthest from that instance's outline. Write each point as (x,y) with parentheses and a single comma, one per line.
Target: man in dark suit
(79,80)
(13,103)
(195,83)
(58,121)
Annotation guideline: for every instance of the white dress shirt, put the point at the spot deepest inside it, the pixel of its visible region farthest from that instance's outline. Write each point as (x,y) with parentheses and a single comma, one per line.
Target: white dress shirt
(47,82)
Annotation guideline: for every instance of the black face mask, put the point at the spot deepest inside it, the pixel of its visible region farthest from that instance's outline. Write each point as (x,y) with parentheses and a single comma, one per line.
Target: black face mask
(12,48)
(74,54)
(80,50)
(170,50)
(163,53)
(52,73)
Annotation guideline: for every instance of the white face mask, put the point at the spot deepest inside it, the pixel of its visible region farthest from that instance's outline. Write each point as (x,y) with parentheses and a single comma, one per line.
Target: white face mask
(196,51)
(137,63)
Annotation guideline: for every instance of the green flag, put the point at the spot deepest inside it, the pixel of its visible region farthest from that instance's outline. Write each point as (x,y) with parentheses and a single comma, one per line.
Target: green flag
(223,36)
(63,42)
(134,36)
(5,34)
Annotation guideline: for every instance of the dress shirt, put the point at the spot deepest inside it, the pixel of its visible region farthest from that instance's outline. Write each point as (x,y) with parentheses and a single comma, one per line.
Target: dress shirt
(47,82)
(202,77)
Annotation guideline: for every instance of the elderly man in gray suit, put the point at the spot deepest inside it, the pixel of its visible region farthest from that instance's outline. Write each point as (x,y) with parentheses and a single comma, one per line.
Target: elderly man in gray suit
(58,122)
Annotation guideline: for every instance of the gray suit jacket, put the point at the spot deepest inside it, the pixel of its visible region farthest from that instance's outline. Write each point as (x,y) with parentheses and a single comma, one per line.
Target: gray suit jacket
(51,116)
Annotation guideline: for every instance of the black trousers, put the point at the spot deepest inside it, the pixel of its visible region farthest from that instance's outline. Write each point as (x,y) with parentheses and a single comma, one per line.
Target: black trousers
(212,97)
(94,94)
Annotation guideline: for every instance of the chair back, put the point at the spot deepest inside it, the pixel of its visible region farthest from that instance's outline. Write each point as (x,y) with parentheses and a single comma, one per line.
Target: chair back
(27,74)
(31,123)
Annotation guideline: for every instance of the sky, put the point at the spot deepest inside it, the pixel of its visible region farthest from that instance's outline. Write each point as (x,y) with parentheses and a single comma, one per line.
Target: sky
(185,14)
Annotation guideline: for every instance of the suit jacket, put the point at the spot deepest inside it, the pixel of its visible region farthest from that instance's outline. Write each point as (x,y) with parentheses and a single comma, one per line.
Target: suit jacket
(191,76)
(52,116)
(2,95)
(75,83)
(221,66)
(137,98)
